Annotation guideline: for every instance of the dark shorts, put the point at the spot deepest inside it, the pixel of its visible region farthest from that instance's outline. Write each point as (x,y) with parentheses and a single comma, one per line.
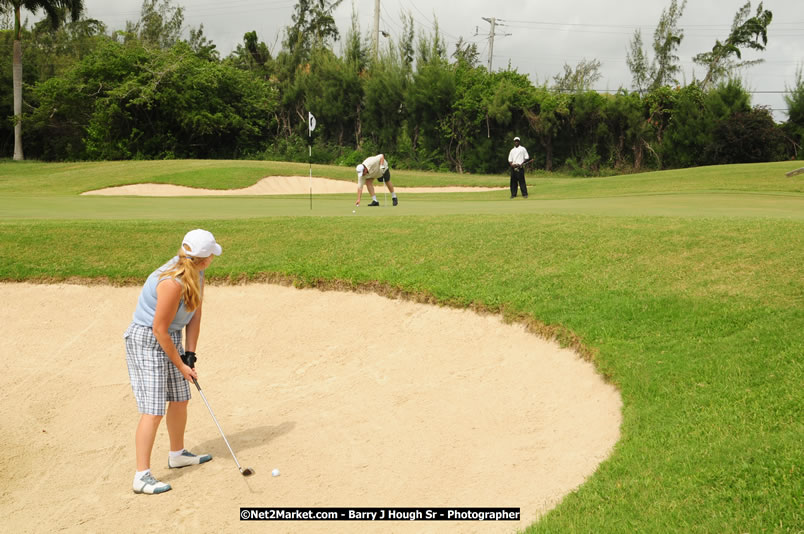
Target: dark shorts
(385,177)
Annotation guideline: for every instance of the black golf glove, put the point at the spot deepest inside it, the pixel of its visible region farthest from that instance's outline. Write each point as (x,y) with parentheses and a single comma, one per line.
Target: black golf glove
(189,359)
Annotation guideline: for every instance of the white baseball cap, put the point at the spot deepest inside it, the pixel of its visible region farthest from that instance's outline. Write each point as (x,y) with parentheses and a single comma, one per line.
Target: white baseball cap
(516,138)
(201,244)
(360,168)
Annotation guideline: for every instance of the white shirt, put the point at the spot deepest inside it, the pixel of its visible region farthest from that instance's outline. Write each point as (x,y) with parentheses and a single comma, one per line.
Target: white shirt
(376,166)
(518,155)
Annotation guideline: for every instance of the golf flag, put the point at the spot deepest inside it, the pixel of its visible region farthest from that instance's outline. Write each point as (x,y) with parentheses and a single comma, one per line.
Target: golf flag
(310,123)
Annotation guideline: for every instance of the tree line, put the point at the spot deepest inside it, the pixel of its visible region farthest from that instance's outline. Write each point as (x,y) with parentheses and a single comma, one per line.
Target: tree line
(147,92)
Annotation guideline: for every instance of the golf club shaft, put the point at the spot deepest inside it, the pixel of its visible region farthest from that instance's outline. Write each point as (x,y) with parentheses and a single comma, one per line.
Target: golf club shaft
(217,424)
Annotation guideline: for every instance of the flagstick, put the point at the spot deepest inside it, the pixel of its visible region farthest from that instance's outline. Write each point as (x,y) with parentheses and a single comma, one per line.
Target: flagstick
(310,128)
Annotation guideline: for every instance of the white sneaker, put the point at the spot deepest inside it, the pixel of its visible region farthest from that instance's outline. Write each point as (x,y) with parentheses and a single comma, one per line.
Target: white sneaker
(148,484)
(187,458)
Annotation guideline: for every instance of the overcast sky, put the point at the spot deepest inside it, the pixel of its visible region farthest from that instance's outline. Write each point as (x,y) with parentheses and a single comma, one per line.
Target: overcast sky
(536,36)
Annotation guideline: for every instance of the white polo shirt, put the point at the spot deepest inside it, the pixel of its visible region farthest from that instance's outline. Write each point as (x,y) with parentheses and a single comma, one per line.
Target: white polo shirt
(518,155)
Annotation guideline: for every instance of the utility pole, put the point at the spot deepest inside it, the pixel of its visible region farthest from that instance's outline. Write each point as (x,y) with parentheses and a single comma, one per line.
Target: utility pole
(376,29)
(493,22)
(493,33)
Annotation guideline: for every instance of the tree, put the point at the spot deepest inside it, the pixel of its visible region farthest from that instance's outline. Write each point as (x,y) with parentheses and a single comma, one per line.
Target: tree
(203,47)
(588,128)
(381,113)
(745,33)
(727,99)
(332,92)
(127,101)
(747,137)
(469,105)
(252,54)
(313,25)
(65,104)
(434,49)
(356,52)
(55,10)
(145,102)
(582,78)
(628,128)
(795,111)
(551,115)
(666,39)
(689,130)
(637,60)
(160,24)
(466,53)
(429,97)
(406,48)
(51,52)
(511,96)
(428,101)
(649,76)
(659,104)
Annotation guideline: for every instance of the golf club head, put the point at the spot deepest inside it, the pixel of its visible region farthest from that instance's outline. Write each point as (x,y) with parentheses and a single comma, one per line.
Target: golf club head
(247,472)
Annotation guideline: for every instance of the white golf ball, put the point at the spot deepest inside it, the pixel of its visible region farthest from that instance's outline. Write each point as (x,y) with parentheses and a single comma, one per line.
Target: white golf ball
(275,472)
(354,211)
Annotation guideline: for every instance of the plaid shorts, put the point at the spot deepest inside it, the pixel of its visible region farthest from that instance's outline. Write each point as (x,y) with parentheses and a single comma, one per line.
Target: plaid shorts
(154,378)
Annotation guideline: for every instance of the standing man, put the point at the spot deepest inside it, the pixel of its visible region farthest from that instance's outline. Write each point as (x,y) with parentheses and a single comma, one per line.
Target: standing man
(371,168)
(516,160)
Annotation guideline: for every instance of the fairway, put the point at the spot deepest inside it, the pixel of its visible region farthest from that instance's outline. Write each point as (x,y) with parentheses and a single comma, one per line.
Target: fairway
(184,208)
(681,289)
(52,192)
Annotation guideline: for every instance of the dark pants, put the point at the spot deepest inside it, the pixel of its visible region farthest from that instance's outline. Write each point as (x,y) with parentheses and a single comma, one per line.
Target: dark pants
(518,177)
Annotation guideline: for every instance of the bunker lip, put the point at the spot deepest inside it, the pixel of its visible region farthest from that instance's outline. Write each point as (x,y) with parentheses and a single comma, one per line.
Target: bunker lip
(436,407)
(271,185)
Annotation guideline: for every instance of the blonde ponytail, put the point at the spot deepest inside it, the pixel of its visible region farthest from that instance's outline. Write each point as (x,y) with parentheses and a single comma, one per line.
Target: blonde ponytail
(186,272)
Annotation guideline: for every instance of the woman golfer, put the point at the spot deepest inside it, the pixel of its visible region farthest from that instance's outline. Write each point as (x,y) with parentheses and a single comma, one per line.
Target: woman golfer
(169,302)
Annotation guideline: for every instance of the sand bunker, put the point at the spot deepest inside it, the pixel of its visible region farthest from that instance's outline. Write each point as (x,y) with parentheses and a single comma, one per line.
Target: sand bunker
(272,185)
(359,400)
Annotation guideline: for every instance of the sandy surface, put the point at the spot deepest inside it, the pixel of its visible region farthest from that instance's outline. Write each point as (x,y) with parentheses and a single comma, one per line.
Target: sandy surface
(272,185)
(359,400)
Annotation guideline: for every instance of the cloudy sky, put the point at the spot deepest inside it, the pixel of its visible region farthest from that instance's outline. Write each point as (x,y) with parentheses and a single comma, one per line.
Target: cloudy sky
(537,37)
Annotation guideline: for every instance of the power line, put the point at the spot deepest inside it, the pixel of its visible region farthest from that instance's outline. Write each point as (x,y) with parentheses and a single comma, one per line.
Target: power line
(634,26)
(430,24)
(392,22)
(745,91)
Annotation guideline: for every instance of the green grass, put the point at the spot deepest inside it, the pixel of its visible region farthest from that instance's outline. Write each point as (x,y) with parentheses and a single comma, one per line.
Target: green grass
(55,179)
(34,190)
(49,179)
(685,287)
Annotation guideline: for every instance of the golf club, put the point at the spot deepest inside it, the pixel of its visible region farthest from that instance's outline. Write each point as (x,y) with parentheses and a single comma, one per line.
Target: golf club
(189,359)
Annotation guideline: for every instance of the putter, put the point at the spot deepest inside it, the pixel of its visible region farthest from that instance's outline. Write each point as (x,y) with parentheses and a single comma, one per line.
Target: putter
(190,361)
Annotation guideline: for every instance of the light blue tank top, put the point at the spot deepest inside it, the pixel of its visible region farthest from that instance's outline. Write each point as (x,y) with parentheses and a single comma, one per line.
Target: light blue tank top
(146,305)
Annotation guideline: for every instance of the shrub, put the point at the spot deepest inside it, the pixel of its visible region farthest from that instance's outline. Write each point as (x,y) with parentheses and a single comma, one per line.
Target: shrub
(746,137)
